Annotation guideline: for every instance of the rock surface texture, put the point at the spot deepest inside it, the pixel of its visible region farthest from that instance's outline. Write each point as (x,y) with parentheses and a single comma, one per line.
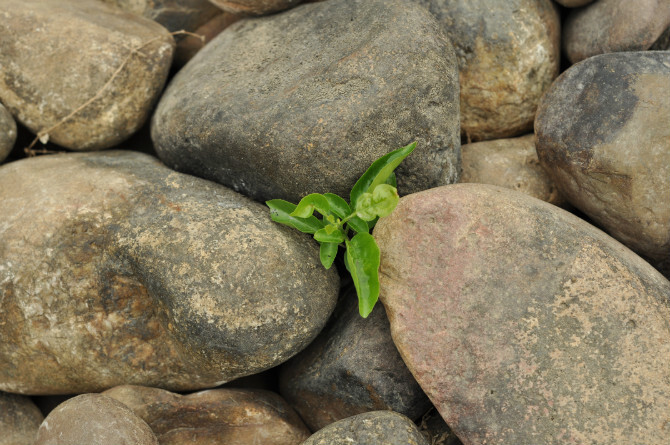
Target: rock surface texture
(255,7)
(94,419)
(523,323)
(216,416)
(19,420)
(56,56)
(603,134)
(304,101)
(508,54)
(607,26)
(373,428)
(7,133)
(352,367)
(116,270)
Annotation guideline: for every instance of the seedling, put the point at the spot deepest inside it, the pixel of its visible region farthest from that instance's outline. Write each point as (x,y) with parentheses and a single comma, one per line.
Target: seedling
(374,196)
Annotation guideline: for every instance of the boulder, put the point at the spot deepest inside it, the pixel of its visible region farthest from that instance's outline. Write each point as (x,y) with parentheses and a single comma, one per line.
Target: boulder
(304,101)
(523,323)
(19,419)
(603,136)
(117,270)
(80,73)
(255,7)
(7,133)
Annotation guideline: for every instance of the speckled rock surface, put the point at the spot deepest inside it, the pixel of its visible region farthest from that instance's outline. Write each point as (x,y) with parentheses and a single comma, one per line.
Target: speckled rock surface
(523,323)
(255,7)
(7,133)
(57,55)
(117,270)
(352,367)
(607,26)
(304,101)
(508,54)
(373,428)
(603,134)
(94,419)
(19,420)
(510,163)
(234,416)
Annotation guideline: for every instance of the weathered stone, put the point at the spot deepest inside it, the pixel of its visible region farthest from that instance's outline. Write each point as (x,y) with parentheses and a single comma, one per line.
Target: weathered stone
(7,133)
(19,420)
(306,100)
(510,163)
(373,428)
(436,431)
(94,419)
(508,54)
(116,270)
(223,416)
(573,3)
(57,56)
(608,26)
(352,367)
(603,135)
(523,323)
(190,45)
(255,7)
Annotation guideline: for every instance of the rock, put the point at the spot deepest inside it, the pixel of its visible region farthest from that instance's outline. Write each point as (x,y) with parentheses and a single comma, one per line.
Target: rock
(436,431)
(57,56)
(215,416)
(608,26)
(304,101)
(174,15)
(591,120)
(190,45)
(573,3)
(94,419)
(117,270)
(510,163)
(508,54)
(7,133)
(255,7)
(523,323)
(663,42)
(19,419)
(373,428)
(352,367)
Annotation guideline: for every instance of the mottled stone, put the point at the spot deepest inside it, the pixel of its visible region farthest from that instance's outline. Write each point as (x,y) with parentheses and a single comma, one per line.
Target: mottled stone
(57,55)
(234,416)
(435,429)
(94,419)
(117,270)
(607,26)
(373,428)
(510,163)
(19,420)
(255,7)
(352,367)
(190,45)
(508,55)
(523,323)
(7,133)
(304,101)
(603,135)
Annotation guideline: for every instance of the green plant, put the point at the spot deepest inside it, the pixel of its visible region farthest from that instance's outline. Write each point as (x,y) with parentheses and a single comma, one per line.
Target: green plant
(373,196)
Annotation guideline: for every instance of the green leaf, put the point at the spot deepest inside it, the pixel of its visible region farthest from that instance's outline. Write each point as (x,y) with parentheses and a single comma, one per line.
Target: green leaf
(379,172)
(280,211)
(323,236)
(327,253)
(358,225)
(379,203)
(362,262)
(338,205)
(311,202)
(391,180)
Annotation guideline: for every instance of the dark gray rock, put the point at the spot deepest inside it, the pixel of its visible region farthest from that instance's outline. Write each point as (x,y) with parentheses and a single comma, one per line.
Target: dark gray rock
(117,270)
(254,7)
(19,420)
(306,100)
(352,367)
(7,133)
(373,428)
(603,135)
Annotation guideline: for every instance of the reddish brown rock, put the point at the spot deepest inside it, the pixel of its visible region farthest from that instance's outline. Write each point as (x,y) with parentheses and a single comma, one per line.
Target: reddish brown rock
(255,7)
(523,323)
(19,420)
(190,45)
(216,416)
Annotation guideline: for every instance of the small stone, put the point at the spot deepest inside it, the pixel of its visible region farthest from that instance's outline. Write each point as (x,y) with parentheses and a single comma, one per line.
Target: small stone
(604,138)
(60,57)
(94,419)
(352,367)
(117,270)
(234,416)
(7,133)
(373,428)
(304,101)
(608,26)
(19,419)
(190,45)
(255,7)
(510,163)
(523,323)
